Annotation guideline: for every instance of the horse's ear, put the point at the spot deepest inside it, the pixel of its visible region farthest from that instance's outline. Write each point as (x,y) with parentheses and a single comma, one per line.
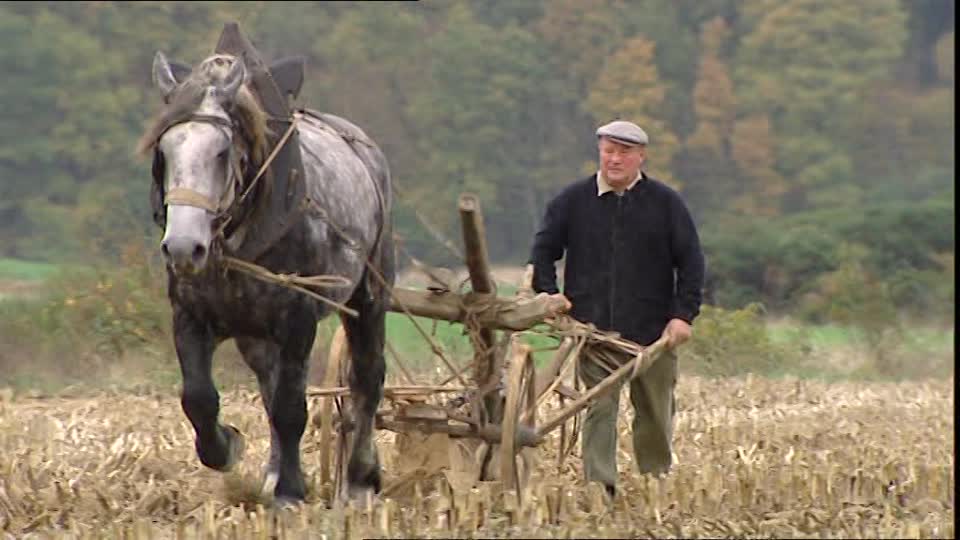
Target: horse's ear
(163,74)
(180,71)
(233,81)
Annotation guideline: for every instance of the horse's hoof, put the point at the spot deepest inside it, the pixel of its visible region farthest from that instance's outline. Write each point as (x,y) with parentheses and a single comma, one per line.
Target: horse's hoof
(285,502)
(365,478)
(236,445)
(270,480)
(227,451)
(362,497)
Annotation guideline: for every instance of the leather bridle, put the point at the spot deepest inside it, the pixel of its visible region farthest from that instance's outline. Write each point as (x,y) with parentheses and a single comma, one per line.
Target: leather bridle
(228,202)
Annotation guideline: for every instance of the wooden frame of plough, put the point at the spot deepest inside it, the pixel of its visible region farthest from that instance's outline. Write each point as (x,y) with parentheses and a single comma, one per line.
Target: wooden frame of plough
(504,390)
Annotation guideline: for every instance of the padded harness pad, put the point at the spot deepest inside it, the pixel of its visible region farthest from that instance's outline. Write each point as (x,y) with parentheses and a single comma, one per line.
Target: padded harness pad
(288,74)
(272,218)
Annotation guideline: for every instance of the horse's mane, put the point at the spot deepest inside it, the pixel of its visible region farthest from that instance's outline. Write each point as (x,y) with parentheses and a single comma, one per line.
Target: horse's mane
(246,113)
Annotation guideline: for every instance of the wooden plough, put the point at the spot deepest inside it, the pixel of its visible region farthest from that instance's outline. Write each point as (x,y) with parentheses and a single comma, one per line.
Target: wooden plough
(499,402)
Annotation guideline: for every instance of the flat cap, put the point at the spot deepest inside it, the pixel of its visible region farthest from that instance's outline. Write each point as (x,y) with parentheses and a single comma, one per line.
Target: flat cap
(624,132)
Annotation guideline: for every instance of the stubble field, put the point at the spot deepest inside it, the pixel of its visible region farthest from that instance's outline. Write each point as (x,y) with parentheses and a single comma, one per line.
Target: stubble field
(754,458)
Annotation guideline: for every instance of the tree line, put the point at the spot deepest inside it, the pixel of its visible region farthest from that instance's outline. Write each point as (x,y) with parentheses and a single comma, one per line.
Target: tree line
(818,128)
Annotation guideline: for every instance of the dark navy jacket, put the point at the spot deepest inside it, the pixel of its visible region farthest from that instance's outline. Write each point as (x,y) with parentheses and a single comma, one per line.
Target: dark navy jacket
(633,262)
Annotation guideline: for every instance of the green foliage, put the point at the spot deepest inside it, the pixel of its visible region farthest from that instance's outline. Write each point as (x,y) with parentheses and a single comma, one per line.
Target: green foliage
(19,269)
(851,294)
(856,297)
(785,258)
(930,293)
(734,342)
(860,39)
(474,119)
(91,325)
(769,114)
(781,70)
(113,309)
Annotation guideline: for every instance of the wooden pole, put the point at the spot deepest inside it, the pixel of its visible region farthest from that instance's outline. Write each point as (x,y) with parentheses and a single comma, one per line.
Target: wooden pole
(478,264)
(388,391)
(435,420)
(630,369)
(499,313)
(491,433)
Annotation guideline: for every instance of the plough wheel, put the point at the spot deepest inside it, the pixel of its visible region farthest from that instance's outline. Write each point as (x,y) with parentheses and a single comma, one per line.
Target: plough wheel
(519,412)
(337,358)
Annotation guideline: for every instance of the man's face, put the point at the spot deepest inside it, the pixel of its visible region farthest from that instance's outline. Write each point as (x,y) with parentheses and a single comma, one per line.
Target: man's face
(620,163)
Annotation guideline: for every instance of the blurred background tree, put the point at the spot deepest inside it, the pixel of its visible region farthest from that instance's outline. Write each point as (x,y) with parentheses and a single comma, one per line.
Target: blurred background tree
(792,128)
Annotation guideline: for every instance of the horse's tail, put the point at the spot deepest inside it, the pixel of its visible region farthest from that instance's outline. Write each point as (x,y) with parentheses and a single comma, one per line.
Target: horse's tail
(384,251)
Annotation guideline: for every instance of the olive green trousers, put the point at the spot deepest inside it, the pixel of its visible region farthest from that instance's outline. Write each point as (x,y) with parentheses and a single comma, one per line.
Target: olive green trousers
(654,406)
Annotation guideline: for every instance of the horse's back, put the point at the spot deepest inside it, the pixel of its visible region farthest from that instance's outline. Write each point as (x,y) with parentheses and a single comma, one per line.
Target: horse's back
(363,145)
(348,182)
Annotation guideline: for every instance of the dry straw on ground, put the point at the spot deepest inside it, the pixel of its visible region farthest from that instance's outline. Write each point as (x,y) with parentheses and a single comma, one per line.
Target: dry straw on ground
(755,458)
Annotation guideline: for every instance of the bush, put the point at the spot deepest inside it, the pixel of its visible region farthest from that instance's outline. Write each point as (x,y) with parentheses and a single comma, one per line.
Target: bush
(734,342)
(780,262)
(855,297)
(87,319)
(929,293)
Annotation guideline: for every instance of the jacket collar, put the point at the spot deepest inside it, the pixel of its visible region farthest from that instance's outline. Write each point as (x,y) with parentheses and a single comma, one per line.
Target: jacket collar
(604,187)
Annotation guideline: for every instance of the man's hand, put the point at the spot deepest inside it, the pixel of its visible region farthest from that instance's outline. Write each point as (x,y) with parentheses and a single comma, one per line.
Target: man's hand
(561,301)
(677,332)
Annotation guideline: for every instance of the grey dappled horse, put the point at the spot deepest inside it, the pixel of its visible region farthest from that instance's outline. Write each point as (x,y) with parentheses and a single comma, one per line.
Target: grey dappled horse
(208,143)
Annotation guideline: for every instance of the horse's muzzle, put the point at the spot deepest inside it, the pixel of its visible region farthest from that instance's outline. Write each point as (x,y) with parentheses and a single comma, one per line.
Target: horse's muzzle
(185,255)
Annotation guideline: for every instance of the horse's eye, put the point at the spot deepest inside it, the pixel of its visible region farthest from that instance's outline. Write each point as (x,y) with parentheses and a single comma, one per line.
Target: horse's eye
(223,155)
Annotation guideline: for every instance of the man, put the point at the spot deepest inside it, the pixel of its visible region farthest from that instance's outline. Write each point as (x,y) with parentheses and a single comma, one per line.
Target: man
(633,266)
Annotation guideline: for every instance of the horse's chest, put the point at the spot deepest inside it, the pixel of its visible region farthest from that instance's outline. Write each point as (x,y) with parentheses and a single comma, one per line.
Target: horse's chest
(237,307)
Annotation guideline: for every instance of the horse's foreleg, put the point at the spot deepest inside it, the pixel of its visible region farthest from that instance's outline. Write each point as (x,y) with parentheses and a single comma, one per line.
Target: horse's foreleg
(288,411)
(263,358)
(218,447)
(366,336)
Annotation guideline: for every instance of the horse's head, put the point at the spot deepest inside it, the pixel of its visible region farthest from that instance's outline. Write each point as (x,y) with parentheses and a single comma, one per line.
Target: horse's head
(203,141)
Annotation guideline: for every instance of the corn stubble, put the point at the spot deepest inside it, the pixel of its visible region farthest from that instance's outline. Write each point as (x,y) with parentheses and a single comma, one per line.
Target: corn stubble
(754,458)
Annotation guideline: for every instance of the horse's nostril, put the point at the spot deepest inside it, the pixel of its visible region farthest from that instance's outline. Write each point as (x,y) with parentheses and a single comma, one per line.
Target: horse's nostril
(199,252)
(165,250)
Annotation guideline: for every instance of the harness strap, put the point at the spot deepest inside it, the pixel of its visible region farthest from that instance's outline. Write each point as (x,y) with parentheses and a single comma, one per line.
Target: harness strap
(263,168)
(273,154)
(351,141)
(189,197)
(212,119)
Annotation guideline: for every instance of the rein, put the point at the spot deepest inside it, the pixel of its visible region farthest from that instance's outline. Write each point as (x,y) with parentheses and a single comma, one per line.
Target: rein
(226,207)
(263,168)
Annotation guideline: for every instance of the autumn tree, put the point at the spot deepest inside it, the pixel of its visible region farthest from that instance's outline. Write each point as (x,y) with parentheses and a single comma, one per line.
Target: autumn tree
(580,33)
(714,101)
(765,110)
(753,150)
(478,125)
(705,162)
(782,70)
(629,87)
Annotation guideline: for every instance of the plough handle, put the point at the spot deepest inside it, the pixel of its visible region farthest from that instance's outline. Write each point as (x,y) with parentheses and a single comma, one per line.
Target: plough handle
(635,367)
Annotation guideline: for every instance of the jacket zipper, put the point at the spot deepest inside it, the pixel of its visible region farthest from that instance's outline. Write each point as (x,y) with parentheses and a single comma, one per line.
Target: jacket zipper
(613,259)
